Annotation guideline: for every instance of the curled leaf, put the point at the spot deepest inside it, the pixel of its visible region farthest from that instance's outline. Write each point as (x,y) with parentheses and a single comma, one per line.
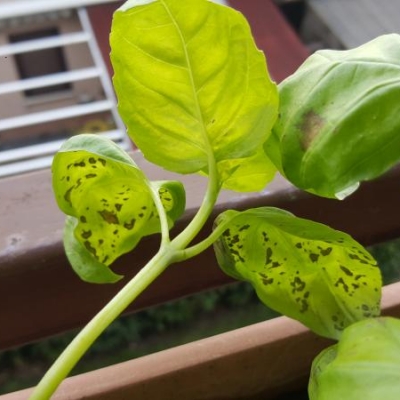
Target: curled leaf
(339,122)
(305,270)
(82,261)
(109,197)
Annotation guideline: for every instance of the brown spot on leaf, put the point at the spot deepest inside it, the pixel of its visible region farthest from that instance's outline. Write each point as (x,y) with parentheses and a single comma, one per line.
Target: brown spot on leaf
(326,252)
(109,217)
(268,256)
(130,225)
(86,234)
(90,248)
(311,126)
(346,271)
(298,285)
(341,282)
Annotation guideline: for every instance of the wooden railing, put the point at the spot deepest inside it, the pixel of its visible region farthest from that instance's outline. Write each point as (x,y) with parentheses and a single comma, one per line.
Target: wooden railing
(40,296)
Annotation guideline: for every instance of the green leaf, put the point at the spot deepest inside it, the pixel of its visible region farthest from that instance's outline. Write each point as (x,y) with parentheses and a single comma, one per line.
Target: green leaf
(82,261)
(339,120)
(99,185)
(305,270)
(190,83)
(365,364)
(249,174)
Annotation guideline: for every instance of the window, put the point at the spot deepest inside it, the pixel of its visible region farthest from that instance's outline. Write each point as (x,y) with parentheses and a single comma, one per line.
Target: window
(40,62)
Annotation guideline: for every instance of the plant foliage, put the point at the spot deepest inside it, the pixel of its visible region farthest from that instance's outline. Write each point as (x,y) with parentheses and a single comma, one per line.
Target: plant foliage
(300,268)
(338,121)
(365,364)
(196,97)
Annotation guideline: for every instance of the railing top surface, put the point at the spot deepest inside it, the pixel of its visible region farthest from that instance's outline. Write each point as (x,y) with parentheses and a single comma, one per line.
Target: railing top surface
(36,279)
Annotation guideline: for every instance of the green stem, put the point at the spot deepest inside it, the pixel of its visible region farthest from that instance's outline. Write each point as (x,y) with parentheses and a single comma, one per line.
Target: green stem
(206,208)
(78,347)
(198,248)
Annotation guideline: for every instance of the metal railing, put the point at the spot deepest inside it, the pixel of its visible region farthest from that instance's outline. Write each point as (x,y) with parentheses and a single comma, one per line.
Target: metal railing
(31,157)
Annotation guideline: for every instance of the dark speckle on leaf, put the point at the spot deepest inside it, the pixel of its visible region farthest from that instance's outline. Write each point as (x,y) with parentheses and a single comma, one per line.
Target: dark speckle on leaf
(227,233)
(314,257)
(298,285)
(237,254)
(86,234)
(326,252)
(341,282)
(235,239)
(268,258)
(275,264)
(82,219)
(130,225)
(346,270)
(265,279)
(90,248)
(109,216)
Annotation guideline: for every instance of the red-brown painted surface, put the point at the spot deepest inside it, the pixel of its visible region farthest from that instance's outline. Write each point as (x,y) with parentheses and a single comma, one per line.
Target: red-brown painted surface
(274,36)
(101,18)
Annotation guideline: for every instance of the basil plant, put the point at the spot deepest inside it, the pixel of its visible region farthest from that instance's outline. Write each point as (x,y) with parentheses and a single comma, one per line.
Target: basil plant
(196,97)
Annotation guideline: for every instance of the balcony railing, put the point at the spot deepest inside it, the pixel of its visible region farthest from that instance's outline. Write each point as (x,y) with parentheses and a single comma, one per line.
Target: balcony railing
(28,157)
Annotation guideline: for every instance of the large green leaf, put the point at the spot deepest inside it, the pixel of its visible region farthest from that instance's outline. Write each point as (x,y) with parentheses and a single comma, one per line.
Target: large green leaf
(191,83)
(109,197)
(305,270)
(339,118)
(365,364)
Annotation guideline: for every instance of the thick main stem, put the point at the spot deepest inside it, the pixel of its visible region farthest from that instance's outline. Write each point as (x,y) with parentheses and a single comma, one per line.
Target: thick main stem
(78,347)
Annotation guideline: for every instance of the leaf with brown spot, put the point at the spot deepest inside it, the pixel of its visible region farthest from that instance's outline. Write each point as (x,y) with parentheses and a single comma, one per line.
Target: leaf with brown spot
(339,118)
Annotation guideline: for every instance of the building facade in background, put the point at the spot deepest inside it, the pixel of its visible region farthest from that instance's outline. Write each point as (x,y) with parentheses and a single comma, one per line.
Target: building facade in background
(54,82)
